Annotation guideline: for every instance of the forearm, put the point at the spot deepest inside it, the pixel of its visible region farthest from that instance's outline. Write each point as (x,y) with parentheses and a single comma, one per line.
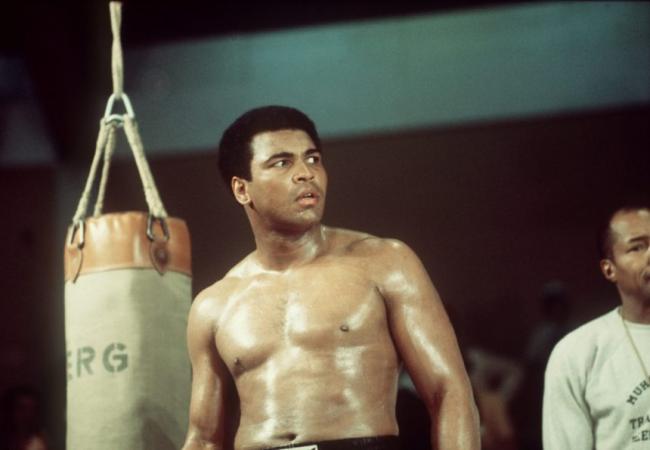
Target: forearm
(196,443)
(455,421)
(204,434)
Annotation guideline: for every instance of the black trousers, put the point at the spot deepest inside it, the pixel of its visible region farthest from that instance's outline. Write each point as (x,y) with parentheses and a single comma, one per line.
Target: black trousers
(367,443)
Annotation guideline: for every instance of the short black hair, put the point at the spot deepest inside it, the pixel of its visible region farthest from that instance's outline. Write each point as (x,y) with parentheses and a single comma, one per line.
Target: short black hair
(235,153)
(605,235)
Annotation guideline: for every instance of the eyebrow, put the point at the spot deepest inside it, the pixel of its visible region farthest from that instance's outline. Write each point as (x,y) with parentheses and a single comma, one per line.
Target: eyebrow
(289,155)
(643,237)
(279,155)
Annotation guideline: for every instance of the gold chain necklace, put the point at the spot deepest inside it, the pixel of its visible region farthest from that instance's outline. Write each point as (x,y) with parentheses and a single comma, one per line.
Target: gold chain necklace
(636,350)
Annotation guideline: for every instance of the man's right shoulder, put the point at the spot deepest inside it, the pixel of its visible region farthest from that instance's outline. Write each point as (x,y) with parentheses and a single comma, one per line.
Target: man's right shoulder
(210,303)
(219,293)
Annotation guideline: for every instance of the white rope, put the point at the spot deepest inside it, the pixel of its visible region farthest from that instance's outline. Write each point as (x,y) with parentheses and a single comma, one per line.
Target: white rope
(130,126)
(82,207)
(117,60)
(107,137)
(150,191)
(108,154)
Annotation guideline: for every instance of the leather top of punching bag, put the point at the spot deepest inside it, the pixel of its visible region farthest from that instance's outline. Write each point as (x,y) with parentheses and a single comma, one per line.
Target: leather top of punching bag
(119,240)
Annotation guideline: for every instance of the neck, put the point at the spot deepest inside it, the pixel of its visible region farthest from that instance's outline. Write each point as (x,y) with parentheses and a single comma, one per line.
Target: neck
(280,250)
(634,310)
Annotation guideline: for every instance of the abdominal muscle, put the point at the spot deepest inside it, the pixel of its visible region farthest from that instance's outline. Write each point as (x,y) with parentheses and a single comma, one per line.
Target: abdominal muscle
(305,395)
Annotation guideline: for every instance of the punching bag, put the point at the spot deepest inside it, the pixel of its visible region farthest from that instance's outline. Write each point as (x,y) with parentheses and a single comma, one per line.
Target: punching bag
(127,297)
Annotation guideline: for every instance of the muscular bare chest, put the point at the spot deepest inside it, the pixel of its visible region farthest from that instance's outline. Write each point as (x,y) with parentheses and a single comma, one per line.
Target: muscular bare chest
(319,308)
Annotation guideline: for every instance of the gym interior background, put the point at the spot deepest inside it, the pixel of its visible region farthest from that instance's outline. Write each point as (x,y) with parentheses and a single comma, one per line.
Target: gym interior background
(491,137)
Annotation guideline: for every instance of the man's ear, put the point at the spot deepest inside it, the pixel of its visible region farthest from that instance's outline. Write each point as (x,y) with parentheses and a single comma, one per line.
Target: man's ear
(609,269)
(240,190)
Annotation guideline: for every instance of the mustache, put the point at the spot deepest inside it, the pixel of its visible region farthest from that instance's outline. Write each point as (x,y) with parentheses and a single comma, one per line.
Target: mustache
(310,187)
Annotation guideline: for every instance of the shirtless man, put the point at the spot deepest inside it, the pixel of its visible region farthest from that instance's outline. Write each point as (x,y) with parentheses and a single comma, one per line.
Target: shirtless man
(311,328)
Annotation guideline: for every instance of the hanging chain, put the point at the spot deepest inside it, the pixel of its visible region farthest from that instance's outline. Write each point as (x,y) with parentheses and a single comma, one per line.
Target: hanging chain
(636,350)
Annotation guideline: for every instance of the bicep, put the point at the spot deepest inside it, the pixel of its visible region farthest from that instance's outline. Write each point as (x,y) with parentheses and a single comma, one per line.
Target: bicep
(209,379)
(421,328)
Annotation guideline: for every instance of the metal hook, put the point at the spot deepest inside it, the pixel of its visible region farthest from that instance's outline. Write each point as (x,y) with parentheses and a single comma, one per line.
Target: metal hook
(163,224)
(79,225)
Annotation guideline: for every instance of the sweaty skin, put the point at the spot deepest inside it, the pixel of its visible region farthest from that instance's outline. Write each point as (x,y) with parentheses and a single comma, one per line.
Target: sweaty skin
(311,328)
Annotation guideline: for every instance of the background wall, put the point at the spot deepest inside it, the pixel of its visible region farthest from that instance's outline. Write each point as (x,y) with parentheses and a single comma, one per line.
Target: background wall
(493,210)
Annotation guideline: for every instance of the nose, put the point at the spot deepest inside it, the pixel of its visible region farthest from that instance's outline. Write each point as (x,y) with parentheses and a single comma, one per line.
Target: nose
(302,173)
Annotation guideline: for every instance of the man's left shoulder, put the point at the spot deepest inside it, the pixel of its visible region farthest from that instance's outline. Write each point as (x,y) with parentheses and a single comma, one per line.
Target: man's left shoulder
(367,245)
